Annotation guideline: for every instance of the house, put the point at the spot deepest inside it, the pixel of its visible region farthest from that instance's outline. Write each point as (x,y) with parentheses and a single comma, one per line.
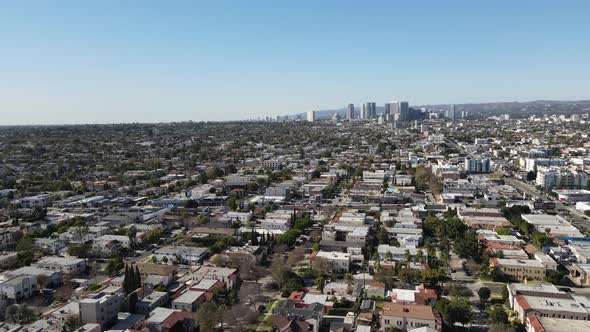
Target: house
(419,295)
(68,265)
(169,320)
(288,312)
(226,275)
(375,290)
(188,301)
(247,253)
(409,316)
(519,269)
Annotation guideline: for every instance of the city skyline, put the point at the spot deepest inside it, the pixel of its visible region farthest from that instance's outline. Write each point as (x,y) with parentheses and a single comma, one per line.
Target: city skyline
(68,64)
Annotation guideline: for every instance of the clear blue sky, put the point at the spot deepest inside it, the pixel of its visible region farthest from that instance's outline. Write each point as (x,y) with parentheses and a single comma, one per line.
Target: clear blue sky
(144,61)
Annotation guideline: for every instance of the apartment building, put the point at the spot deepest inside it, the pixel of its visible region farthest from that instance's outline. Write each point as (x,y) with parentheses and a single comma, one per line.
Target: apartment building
(189,301)
(519,269)
(67,265)
(101,308)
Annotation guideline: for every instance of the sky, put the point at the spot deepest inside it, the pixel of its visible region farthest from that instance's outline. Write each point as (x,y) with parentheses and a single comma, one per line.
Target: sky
(71,62)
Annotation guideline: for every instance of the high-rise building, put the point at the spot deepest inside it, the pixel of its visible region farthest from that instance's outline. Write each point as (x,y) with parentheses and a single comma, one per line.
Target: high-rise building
(350,112)
(364,112)
(451,112)
(371,110)
(311,116)
(404,111)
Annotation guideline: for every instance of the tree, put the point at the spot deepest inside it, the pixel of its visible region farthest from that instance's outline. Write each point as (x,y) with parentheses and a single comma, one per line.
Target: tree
(114,265)
(498,315)
(210,316)
(278,269)
(72,323)
(137,279)
(42,281)
(409,276)
(319,282)
(484,293)
(348,278)
(232,203)
(457,310)
(420,256)
(132,234)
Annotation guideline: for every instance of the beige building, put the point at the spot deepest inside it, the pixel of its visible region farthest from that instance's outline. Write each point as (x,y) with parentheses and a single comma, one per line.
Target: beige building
(520,269)
(409,316)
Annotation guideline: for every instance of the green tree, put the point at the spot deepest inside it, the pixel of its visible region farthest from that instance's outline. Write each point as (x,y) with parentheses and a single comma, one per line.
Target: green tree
(484,293)
(498,315)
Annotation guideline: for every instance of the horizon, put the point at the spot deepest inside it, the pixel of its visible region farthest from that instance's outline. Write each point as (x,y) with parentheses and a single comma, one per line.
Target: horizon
(113,63)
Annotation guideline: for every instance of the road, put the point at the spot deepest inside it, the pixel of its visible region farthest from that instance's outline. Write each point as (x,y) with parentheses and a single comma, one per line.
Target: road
(577,218)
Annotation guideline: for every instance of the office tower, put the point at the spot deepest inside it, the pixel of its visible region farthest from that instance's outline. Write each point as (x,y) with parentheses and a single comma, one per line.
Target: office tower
(451,112)
(311,116)
(387,109)
(350,112)
(387,112)
(373,110)
(394,110)
(404,111)
(364,112)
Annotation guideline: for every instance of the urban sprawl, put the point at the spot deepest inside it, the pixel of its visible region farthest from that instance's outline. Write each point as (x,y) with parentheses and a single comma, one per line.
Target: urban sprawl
(395,218)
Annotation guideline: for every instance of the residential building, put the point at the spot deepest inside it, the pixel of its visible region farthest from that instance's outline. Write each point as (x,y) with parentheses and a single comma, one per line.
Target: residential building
(169,320)
(101,308)
(409,316)
(189,301)
(336,262)
(181,254)
(67,265)
(519,269)
(151,302)
(226,275)
(535,323)
(477,165)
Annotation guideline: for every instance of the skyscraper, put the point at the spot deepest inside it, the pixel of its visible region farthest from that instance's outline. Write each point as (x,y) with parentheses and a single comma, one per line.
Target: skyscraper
(394,106)
(311,116)
(451,112)
(364,112)
(350,112)
(404,111)
(371,110)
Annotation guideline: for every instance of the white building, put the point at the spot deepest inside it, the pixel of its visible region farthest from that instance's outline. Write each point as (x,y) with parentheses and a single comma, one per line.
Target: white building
(180,254)
(477,165)
(67,265)
(311,116)
(554,177)
(101,308)
(337,262)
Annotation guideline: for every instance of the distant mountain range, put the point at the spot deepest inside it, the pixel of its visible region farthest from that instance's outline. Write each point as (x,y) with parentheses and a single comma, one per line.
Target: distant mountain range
(487,109)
